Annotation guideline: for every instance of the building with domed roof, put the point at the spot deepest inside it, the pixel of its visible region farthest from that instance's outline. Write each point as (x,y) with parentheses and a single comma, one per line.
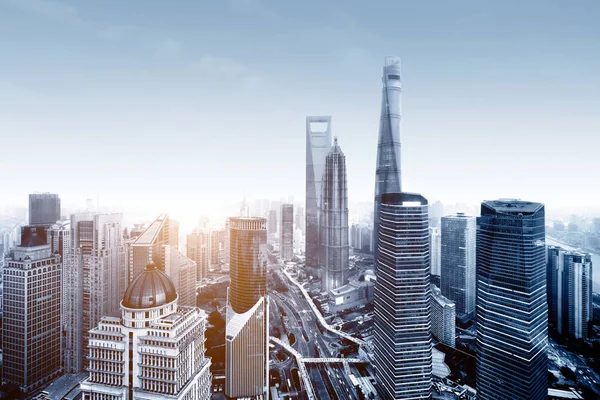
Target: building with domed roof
(154,351)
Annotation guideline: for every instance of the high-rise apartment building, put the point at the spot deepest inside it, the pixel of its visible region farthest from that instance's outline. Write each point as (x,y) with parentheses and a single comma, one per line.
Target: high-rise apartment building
(247,319)
(59,238)
(44,209)
(272,224)
(182,271)
(569,291)
(458,257)
(333,221)
(300,218)
(286,240)
(31,347)
(217,246)
(387,172)
(402,340)
(198,249)
(435,246)
(100,267)
(147,247)
(443,317)
(318,144)
(154,351)
(512,314)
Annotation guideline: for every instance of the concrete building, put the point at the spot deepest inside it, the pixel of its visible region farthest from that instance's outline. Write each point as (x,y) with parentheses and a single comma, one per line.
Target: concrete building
(300,220)
(147,247)
(443,317)
(333,220)
(435,244)
(154,351)
(512,314)
(247,311)
(100,265)
(182,272)
(217,246)
(458,257)
(272,224)
(198,250)
(402,339)
(60,240)
(361,237)
(387,172)
(44,209)
(569,291)
(286,239)
(31,347)
(353,295)
(318,144)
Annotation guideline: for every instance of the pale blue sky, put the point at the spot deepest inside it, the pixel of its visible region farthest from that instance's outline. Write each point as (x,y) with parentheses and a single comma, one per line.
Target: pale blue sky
(170,105)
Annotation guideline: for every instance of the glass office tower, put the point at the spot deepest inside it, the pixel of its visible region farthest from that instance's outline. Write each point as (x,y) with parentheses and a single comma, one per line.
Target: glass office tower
(387,173)
(512,314)
(403,347)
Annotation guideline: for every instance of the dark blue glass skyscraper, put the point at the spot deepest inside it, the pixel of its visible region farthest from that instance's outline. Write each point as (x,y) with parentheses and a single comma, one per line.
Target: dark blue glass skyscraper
(387,173)
(512,314)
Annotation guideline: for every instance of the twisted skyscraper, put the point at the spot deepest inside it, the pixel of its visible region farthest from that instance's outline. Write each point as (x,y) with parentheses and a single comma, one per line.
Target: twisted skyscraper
(387,173)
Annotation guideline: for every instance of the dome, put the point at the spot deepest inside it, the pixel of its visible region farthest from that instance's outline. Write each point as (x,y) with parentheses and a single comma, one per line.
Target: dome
(151,288)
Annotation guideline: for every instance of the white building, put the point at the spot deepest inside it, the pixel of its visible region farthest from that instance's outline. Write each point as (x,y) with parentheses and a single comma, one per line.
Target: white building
(436,248)
(443,317)
(155,351)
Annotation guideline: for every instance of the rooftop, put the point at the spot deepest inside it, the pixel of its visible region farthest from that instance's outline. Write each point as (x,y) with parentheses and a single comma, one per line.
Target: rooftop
(511,206)
(152,288)
(62,386)
(151,232)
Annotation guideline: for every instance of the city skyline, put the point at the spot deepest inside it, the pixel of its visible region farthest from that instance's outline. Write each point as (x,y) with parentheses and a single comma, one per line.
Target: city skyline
(464,96)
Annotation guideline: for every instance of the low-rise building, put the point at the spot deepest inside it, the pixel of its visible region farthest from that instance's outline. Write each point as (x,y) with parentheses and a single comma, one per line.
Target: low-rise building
(354,294)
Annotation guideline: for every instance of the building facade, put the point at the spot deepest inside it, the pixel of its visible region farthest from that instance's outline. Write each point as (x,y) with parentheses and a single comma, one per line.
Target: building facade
(182,271)
(458,258)
(100,266)
(318,144)
(198,250)
(147,247)
(388,172)
(443,317)
(44,209)
(402,340)
(286,239)
(569,293)
(31,340)
(512,314)
(333,220)
(247,311)
(435,245)
(154,351)
(217,246)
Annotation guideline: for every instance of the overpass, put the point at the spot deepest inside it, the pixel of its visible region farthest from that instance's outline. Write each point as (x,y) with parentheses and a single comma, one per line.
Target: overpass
(301,367)
(317,313)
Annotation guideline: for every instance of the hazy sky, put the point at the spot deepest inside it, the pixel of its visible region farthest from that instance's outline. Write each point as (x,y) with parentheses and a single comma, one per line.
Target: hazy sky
(183,105)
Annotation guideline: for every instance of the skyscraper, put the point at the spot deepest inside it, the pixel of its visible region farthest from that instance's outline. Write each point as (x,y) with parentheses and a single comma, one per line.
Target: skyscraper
(435,246)
(512,314)
(198,249)
(402,340)
(300,219)
(217,246)
(31,316)
(59,238)
(569,283)
(458,262)
(100,257)
(44,209)
(286,248)
(387,172)
(318,144)
(147,247)
(182,272)
(333,220)
(247,319)
(272,224)
(155,350)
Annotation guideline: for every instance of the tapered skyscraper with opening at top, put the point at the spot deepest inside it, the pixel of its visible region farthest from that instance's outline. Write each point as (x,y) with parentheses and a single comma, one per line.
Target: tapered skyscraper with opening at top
(387,173)
(318,144)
